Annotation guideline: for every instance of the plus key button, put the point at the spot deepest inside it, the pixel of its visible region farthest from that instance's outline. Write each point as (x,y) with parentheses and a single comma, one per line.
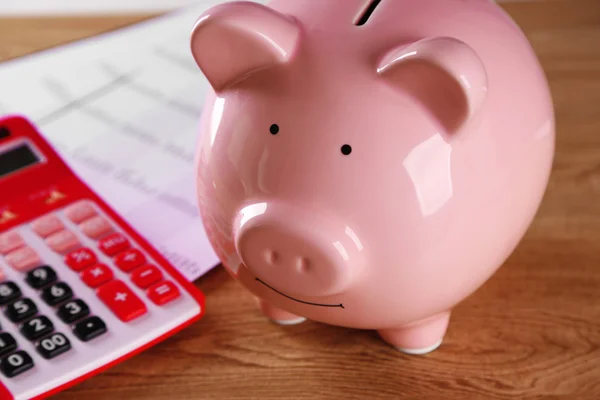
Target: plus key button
(122,301)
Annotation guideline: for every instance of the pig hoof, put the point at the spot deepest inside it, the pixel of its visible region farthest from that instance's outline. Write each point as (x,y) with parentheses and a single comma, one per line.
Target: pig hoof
(420,337)
(295,321)
(277,315)
(421,351)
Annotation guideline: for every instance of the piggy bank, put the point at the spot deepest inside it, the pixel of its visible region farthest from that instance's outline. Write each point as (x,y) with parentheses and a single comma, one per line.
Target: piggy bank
(369,164)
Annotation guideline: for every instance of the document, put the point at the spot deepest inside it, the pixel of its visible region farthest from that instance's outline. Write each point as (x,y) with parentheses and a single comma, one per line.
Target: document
(123,110)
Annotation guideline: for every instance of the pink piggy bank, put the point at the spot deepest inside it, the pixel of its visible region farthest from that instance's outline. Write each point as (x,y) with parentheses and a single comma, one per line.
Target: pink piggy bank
(369,164)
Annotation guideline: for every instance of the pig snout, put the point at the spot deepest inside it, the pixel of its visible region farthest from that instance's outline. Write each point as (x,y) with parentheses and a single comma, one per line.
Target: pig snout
(298,253)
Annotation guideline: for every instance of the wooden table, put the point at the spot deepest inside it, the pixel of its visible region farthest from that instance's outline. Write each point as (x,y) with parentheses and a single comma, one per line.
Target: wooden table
(532,332)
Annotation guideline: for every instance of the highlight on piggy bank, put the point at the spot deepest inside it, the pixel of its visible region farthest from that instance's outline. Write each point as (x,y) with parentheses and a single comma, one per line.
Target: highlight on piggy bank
(369,164)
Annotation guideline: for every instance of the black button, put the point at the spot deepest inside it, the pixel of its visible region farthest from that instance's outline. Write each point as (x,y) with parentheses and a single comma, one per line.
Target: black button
(89,328)
(4,132)
(73,310)
(57,293)
(9,291)
(37,327)
(41,276)
(53,346)
(7,343)
(20,310)
(16,363)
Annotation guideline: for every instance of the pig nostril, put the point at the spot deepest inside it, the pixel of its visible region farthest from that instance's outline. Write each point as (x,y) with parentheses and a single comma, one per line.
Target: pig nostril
(271,256)
(303,265)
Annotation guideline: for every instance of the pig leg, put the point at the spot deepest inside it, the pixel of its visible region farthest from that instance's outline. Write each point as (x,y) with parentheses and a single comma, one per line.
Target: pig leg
(278,315)
(418,338)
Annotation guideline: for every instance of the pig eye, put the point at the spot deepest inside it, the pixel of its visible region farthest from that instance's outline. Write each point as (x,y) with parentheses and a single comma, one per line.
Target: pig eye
(274,129)
(346,149)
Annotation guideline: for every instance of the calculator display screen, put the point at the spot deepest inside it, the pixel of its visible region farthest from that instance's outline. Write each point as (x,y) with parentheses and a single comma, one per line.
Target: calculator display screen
(16,158)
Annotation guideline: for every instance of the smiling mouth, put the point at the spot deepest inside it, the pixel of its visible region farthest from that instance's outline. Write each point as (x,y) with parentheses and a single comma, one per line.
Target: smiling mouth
(300,301)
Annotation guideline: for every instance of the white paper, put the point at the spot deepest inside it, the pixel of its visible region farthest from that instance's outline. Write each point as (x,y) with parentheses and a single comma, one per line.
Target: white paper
(62,7)
(123,110)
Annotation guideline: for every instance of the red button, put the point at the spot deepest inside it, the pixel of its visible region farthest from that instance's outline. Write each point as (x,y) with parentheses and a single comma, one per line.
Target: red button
(113,244)
(163,292)
(80,259)
(121,301)
(146,276)
(96,275)
(130,259)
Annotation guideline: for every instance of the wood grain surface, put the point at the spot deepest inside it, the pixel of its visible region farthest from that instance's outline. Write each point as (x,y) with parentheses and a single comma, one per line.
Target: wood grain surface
(531,332)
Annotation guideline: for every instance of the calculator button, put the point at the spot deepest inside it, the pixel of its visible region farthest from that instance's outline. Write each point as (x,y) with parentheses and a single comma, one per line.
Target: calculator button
(146,276)
(47,225)
(7,343)
(162,293)
(80,211)
(89,328)
(63,241)
(113,244)
(53,346)
(122,301)
(41,276)
(73,310)
(129,260)
(37,327)
(96,275)
(16,363)
(57,293)
(20,310)
(23,259)
(80,259)
(10,241)
(9,291)
(96,227)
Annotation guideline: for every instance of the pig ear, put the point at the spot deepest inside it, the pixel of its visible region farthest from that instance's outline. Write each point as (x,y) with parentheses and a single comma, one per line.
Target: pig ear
(232,40)
(444,74)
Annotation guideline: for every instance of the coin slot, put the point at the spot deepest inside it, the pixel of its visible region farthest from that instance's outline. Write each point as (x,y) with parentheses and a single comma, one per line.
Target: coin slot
(364,17)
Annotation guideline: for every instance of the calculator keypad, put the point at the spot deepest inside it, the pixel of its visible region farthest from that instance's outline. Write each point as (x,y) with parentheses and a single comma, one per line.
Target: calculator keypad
(99,256)
(37,327)
(73,310)
(47,225)
(9,291)
(53,346)
(63,241)
(23,259)
(57,293)
(80,211)
(163,292)
(89,328)
(7,343)
(20,310)
(16,363)
(97,275)
(96,227)
(41,276)
(80,259)
(130,259)
(122,301)
(145,276)
(113,244)
(10,241)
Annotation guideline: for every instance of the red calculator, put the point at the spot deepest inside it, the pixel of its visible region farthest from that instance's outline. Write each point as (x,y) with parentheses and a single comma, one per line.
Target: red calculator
(80,289)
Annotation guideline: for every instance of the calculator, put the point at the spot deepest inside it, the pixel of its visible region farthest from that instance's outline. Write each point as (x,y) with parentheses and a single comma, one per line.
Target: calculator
(80,289)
